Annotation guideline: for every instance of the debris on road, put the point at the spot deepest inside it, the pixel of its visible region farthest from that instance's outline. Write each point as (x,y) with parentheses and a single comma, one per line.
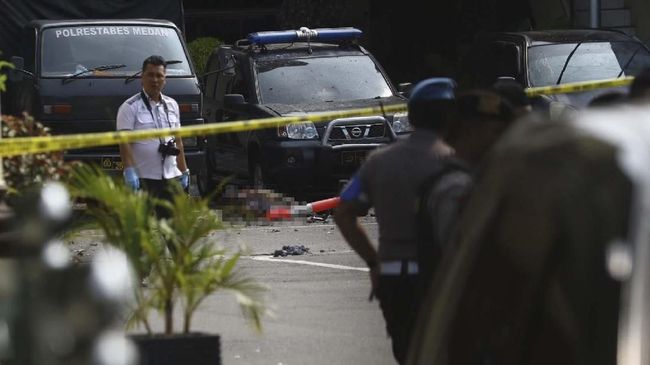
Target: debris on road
(294,250)
(318,218)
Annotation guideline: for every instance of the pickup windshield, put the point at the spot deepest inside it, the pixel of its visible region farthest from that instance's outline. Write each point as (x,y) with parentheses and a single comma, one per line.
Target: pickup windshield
(324,79)
(591,61)
(70,50)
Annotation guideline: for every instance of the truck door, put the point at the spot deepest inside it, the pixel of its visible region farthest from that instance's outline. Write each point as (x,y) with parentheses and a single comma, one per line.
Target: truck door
(22,92)
(230,148)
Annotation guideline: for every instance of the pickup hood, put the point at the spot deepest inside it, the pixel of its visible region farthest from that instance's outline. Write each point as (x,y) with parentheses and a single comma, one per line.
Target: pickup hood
(303,109)
(581,100)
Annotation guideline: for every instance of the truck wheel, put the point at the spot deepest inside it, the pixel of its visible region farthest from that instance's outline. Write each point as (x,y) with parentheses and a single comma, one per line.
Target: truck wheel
(203,184)
(257,176)
(205,178)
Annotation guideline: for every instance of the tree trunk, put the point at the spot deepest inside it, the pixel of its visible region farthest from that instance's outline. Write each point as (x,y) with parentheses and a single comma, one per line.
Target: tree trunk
(169,316)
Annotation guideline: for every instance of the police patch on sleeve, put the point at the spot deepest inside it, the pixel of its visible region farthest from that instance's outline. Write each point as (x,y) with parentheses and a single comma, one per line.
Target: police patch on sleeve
(352,190)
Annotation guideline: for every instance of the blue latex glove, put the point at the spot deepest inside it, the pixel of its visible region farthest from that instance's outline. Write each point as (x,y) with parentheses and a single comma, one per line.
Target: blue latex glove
(185,179)
(131,178)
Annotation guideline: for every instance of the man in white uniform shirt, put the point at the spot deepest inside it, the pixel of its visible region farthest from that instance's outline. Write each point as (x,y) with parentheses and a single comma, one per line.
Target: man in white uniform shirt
(152,163)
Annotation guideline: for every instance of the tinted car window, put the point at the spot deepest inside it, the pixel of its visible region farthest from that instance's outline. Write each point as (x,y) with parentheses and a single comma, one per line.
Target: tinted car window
(591,61)
(71,49)
(313,80)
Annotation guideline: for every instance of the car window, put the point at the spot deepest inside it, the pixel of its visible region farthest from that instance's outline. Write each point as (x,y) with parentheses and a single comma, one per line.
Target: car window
(324,79)
(72,49)
(28,48)
(238,83)
(211,80)
(591,61)
(493,60)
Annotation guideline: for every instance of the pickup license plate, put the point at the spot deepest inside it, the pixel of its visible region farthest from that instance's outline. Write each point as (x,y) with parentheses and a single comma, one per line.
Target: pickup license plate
(111,163)
(353,158)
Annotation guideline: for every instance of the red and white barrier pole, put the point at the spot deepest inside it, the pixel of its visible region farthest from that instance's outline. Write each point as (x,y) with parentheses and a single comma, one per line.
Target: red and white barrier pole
(323,205)
(283,212)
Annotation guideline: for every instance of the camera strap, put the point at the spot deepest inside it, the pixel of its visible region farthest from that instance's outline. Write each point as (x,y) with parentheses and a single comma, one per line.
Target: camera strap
(145,100)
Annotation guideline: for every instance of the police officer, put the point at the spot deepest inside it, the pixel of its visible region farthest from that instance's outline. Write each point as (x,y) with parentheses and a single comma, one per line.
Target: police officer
(389,182)
(482,117)
(152,163)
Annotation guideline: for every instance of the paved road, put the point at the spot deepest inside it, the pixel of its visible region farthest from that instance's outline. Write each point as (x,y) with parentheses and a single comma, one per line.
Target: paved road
(320,301)
(322,313)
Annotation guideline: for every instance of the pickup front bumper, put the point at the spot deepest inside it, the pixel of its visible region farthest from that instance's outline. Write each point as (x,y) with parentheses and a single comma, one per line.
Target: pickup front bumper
(322,165)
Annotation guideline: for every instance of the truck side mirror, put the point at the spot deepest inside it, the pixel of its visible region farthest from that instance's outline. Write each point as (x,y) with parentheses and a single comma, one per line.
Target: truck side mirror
(231,62)
(15,73)
(404,88)
(233,100)
(18,62)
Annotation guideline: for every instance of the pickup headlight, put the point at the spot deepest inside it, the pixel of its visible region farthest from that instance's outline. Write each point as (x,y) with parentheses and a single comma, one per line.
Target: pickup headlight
(299,130)
(401,123)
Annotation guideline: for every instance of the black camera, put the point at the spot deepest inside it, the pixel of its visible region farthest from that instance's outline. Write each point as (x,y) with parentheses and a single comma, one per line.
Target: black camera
(169,148)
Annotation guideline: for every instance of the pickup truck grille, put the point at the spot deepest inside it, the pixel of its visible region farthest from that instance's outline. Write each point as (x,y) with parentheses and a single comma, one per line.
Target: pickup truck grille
(358,131)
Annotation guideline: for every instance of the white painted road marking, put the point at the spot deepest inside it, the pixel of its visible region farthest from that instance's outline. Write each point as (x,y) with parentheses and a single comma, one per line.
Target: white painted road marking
(302,262)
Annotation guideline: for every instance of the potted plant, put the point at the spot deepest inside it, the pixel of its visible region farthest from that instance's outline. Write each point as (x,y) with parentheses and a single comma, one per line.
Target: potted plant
(179,265)
(28,172)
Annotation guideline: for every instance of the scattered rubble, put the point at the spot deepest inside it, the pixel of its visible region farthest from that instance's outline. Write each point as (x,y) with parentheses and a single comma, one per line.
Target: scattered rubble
(318,218)
(294,250)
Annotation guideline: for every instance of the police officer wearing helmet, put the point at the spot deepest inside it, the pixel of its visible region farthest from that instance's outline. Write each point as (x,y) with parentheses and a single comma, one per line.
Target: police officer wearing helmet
(389,181)
(152,163)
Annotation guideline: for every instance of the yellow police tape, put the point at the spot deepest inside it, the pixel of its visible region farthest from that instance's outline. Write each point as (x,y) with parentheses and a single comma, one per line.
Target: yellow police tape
(576,87)
(31,145)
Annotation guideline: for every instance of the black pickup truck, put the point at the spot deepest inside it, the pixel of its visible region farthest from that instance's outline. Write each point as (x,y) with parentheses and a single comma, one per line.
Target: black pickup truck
(550,57)
(297,73)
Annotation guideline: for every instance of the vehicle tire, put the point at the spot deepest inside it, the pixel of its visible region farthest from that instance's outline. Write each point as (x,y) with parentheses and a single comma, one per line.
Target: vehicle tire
(204,183)
(258,181)
(206,179)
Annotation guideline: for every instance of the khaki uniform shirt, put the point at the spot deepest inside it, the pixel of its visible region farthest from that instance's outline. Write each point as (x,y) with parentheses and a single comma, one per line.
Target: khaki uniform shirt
(389,181)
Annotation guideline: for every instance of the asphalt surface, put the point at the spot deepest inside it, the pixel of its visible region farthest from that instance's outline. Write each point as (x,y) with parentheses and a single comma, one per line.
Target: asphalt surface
(321,313)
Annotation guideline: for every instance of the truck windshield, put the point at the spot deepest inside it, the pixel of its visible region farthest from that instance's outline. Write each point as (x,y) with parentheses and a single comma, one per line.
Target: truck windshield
(70,50)
(325,79)
(591,61)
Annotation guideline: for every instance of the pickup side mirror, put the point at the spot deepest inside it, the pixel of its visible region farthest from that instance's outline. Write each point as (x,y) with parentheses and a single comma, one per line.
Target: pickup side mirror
(233,100)
(404,88)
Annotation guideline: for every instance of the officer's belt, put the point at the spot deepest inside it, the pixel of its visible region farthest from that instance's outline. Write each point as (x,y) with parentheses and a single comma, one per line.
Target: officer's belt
(398,267)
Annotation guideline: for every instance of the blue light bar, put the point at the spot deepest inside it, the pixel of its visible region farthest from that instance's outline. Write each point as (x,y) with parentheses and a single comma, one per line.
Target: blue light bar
(304,35)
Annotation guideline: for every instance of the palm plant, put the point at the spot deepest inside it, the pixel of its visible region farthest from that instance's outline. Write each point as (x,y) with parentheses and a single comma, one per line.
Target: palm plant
(174,254)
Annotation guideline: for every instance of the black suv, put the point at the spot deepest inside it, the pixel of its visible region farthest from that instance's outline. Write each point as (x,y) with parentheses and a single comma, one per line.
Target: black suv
(550,57)
(295,73)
